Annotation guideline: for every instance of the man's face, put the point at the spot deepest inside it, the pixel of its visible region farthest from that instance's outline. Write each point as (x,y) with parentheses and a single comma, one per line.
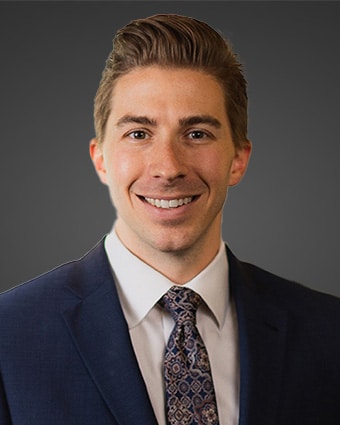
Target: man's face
(168,159)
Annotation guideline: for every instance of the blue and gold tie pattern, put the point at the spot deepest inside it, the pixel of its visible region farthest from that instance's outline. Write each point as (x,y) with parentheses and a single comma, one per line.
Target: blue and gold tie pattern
(190,395)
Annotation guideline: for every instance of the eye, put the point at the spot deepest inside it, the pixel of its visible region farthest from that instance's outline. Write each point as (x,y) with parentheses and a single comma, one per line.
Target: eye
(138,134)
(198,135)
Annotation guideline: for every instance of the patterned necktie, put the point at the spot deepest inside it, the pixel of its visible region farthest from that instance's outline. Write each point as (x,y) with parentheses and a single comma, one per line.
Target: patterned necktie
(190,395)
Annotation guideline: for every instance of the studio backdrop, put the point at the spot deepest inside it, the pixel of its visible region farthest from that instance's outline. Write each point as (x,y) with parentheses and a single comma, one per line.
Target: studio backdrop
(284,216)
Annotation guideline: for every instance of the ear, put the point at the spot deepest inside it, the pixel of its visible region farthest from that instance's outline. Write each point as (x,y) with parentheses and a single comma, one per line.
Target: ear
(96,154)
(240,164)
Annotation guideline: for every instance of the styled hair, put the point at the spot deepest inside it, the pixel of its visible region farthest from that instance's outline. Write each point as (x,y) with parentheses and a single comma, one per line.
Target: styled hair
(167,41)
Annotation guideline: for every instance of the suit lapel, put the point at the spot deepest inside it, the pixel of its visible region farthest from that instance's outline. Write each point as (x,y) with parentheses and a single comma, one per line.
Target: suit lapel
(94,317)
(262,336)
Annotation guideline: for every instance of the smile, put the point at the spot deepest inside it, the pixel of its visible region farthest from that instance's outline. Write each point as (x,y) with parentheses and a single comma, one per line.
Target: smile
(169,203)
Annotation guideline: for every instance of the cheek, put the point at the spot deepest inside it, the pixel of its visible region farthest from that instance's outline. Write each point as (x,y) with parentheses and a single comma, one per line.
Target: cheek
(122,169)
(215,169)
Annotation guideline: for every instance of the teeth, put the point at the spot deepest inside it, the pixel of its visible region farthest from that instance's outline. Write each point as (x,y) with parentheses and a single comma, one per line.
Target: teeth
(172,203)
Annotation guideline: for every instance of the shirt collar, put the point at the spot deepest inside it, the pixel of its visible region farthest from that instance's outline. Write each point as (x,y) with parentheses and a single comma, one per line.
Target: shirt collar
(140,286)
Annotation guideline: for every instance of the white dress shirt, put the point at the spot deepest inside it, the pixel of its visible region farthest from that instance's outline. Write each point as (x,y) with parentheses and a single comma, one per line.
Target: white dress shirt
(140,287)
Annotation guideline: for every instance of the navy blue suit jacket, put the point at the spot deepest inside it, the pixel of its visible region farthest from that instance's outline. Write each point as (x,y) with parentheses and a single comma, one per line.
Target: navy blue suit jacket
(66,357)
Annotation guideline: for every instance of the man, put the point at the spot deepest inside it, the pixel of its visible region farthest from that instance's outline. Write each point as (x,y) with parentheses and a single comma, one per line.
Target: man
(91,341)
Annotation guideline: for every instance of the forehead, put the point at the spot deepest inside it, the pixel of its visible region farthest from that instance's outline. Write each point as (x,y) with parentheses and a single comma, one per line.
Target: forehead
(160,91)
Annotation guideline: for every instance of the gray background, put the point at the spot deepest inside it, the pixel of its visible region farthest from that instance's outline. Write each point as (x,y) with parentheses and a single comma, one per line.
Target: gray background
(283,216)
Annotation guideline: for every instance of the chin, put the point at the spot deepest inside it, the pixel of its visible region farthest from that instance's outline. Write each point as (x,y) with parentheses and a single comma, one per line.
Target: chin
(175,244)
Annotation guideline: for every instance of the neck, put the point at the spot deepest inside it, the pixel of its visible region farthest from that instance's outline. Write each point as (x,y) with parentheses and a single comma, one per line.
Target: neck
(179,266)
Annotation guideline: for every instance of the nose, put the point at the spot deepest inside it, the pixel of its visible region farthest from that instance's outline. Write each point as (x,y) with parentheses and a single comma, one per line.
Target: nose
(168,161)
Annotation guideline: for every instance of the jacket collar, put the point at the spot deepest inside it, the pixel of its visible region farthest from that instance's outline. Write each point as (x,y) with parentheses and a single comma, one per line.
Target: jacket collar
(95,320)
(262,339)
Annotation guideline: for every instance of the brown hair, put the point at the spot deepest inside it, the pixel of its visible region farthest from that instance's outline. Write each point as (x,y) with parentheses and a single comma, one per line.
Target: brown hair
(175,41)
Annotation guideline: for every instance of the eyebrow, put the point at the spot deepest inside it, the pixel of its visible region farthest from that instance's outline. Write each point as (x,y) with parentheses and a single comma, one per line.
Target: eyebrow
(143,120)
(200,119)
(183,122)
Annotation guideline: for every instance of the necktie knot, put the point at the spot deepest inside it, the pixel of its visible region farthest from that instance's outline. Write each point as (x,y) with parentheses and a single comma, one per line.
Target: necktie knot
(182,304)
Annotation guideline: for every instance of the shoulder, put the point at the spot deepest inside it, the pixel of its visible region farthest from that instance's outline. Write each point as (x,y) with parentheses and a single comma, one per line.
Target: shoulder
(286,291)
(299,300)
(309,320)
(48,288)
